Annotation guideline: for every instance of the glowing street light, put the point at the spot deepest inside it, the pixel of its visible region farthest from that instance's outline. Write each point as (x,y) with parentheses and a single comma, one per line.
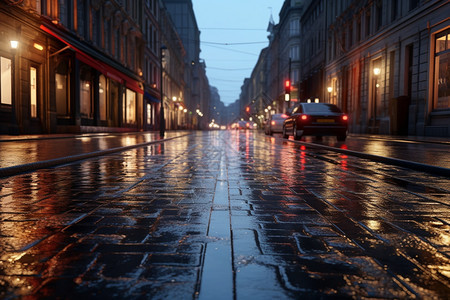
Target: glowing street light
(14,44)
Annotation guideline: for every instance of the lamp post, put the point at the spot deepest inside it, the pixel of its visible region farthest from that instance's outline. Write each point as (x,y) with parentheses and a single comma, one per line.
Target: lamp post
(329,89)
(376,73)
(162,121)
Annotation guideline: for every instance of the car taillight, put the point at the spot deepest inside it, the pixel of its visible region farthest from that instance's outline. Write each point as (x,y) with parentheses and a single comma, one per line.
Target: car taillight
(272,123)
(345,118)
(304,117)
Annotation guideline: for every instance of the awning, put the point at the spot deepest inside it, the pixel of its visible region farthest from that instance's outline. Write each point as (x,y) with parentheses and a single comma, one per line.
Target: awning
(150,98)
(102,67)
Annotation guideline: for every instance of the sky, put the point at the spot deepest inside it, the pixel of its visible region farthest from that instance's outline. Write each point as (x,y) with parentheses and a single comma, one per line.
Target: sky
(232,35)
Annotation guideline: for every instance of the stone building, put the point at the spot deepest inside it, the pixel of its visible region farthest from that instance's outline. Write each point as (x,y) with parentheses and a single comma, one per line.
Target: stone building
(384,62)
(278,63)
(387,65)
(172,54)
(74,68)
(313,51)
(197,93)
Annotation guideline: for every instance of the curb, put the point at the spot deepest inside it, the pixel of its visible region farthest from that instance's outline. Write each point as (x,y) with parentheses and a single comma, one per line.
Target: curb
(15,170)
(386,160)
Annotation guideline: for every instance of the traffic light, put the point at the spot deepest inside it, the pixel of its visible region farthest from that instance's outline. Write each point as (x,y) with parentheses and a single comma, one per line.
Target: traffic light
(247,109)
(287,87)
(287,90)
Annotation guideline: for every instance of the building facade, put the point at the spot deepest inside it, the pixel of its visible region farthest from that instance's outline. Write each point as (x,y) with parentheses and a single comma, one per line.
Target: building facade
(96,66)
(196,96)
(277,64)
(313,30)
(173,85)
(75,67)
(384,62)
(387,65)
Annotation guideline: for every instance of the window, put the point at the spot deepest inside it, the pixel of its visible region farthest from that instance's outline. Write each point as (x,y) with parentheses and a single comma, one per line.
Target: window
(64,11)
(62,107)
(294,27)
(61,89)
(394,10)
(368,20)
(102,97)
(350,35)
(150,113)
(129,107)
(81,15)
(86,95)
(85,99)
(6,81)
(294,52)
(379,16)
(358,29)
(95,27)
(442,71)
(33,93)
(413,4)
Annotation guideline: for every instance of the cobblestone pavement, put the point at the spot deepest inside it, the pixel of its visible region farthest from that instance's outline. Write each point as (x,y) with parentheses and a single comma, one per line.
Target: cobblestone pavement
(224,215)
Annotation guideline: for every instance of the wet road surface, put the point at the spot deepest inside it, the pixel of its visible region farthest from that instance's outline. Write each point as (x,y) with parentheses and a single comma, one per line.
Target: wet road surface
(228,215)
(435,152)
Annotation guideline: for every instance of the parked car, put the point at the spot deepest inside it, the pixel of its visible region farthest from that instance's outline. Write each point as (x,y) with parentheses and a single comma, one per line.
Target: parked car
(317,119)
(275,124)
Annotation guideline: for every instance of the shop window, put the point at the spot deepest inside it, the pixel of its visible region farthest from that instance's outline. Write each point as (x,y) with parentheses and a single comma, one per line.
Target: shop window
(86,93)
(102,97)
(85,99)
(61,92)
(442,71)
(129,107)
(33,93)
(150,112)
(5,81)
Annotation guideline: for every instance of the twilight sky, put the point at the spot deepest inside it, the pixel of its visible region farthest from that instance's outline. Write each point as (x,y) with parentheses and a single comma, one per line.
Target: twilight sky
(233,32)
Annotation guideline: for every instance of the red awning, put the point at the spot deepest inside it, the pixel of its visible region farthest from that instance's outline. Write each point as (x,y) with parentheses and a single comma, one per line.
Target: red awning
(99,65)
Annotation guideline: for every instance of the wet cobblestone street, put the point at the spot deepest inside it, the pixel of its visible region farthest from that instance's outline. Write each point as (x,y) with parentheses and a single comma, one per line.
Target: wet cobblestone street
(225,215)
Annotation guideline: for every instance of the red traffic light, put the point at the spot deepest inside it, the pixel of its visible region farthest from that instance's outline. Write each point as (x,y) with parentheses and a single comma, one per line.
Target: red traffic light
(287,86)
(247,109)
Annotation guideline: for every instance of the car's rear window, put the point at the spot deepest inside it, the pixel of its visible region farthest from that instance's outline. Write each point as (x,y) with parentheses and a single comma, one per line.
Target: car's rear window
(320,107)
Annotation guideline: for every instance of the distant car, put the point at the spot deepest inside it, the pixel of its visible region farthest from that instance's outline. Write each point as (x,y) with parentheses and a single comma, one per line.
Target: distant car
(246,125)
(275,124)
(317,119)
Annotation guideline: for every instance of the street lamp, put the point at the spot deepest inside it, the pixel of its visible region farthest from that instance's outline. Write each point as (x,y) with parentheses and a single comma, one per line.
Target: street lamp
(376,73)
(14,44)
(162,121)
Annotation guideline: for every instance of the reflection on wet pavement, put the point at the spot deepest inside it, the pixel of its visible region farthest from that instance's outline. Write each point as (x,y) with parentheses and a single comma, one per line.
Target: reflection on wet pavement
(225,213)
(435,154)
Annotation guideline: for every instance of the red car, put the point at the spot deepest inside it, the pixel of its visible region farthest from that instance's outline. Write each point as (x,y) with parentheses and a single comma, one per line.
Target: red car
(318,119)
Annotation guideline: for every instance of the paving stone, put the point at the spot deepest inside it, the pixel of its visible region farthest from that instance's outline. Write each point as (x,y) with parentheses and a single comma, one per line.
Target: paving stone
(224,215)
